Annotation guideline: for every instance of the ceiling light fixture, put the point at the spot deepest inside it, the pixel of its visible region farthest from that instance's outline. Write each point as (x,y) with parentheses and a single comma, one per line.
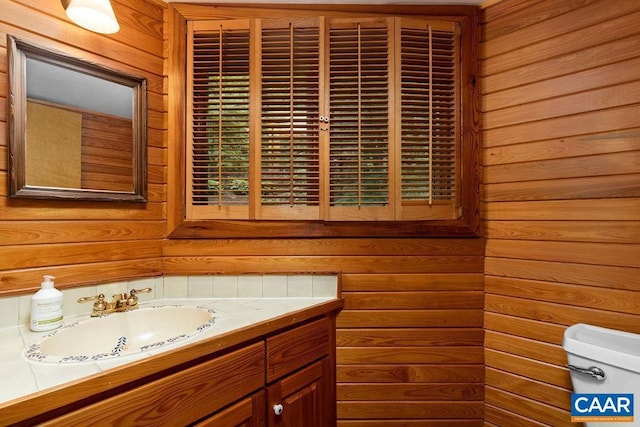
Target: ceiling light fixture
(94,15)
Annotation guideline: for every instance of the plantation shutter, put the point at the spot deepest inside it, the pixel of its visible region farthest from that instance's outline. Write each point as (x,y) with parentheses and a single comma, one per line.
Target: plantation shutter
(335,119)
(429,124)
(359,146)
(289,143)
(218,119)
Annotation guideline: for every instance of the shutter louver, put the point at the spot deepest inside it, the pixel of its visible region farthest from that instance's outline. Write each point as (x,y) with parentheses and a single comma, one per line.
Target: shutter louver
(359,131)
(220,117)
(290,167)
(429,129)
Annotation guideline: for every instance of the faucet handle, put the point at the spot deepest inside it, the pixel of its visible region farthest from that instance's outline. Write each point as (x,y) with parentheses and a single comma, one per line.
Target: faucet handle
(133,295)
(98,305)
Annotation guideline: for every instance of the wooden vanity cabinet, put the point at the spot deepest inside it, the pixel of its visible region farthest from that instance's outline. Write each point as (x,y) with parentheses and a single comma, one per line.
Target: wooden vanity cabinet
(293,367)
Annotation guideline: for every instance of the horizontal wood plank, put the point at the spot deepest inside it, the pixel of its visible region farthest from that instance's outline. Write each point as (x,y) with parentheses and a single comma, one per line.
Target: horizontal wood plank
(565,148)
(415,337)
(623,209)
(409,318)
(410,392)
(541,351)
(419,410)
(22,233)
(614,254)
(412,300)
(409,355)
(525,328)
(29,256)
(406,373)
(583,188)
(566,231)
(603,164)
(49,210)
(412,282)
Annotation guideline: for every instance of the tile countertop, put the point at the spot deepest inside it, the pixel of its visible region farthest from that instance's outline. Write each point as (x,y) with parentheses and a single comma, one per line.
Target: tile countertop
(21,377)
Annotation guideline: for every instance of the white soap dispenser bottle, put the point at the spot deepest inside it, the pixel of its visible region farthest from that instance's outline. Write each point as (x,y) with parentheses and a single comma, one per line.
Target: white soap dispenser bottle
(46,307)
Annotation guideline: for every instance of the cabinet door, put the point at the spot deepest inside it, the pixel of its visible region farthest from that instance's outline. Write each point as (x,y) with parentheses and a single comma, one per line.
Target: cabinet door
(248,412)
(303,397)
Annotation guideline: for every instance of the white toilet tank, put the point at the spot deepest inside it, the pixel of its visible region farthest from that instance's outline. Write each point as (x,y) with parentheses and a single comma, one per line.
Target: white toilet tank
(604,361)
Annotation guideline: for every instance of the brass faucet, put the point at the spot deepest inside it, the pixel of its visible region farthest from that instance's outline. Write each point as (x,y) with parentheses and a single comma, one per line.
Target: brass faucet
(119,303)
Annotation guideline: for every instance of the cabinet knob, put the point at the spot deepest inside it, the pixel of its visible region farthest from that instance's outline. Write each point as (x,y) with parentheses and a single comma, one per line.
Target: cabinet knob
(278,409)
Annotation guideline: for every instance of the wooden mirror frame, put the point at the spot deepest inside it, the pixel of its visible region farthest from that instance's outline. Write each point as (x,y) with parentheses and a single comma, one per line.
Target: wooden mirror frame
(18,51)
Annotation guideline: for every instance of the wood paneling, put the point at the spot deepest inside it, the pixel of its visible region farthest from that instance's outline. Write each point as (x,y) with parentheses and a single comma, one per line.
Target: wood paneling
(561,88)
(409,342)
(74,240)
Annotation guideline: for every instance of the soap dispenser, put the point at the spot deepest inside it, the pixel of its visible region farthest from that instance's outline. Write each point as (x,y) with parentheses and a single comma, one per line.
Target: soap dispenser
(46,307)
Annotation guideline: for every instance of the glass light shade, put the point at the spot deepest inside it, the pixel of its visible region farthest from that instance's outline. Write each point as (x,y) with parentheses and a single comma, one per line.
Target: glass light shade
(94,15)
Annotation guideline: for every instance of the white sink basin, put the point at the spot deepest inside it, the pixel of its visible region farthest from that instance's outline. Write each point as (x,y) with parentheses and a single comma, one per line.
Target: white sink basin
(121,334)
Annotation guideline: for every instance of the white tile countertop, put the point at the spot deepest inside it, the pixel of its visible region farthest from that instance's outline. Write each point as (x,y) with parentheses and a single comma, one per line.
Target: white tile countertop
(21,377)
(237,301)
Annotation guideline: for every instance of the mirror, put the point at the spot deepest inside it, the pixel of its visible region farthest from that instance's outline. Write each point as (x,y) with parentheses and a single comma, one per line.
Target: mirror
(77,130)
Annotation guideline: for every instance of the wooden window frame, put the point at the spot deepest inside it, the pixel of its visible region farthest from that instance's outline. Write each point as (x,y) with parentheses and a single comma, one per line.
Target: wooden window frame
(468,225)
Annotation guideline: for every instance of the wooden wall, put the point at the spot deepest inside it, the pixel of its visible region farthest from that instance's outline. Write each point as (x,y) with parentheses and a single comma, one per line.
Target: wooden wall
(561,103)
(86,242)
(410,336)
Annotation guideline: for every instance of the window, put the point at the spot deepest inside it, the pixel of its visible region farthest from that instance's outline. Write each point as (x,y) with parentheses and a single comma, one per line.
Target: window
(324,121)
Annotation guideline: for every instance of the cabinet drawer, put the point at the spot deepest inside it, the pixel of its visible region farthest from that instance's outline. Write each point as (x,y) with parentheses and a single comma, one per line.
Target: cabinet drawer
(179,398)
(296,348)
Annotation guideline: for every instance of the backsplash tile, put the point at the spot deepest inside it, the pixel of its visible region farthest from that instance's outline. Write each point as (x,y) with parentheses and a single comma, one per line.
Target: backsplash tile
(299,286)
(324,286)
(199,287)
(176,286)
(225,286)
(274,286)
(17,310)
(250,286)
